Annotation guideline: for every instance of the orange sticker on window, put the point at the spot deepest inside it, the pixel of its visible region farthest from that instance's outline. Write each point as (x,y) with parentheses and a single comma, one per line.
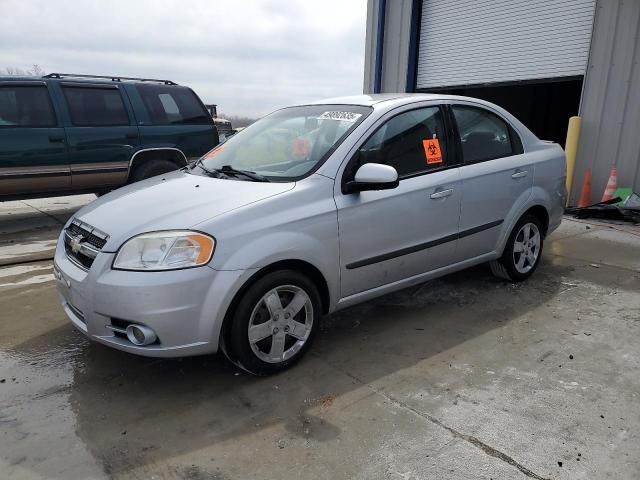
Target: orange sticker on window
(215,151)
(432,151)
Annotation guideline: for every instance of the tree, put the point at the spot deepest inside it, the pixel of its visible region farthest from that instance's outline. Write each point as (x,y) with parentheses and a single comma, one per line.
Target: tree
(237,120)
(35,71)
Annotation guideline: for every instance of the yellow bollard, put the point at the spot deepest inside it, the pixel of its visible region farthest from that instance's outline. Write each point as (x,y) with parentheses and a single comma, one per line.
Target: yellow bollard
(571,149)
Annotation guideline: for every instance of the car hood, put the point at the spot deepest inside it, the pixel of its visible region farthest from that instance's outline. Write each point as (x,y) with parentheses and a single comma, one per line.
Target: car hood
(174,201)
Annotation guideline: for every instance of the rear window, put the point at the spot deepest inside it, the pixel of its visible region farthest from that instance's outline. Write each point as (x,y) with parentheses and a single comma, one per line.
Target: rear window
(95,107)
(483,135)
(168,105)
(26,106)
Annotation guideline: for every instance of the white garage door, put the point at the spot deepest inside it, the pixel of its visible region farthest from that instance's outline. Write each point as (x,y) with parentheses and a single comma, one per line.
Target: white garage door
(468,42)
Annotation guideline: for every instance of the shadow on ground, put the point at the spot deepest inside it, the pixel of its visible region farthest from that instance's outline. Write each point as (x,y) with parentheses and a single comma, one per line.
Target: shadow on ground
(133,411)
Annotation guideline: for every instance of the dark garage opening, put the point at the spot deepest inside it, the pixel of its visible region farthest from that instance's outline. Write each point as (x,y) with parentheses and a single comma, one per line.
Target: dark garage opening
(545,107)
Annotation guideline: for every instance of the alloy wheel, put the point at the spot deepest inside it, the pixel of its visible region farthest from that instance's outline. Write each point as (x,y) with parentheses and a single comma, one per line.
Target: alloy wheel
(526,248)
(280,323)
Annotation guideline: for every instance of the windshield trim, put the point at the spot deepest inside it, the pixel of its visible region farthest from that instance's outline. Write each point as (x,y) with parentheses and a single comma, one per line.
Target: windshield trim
(366,111)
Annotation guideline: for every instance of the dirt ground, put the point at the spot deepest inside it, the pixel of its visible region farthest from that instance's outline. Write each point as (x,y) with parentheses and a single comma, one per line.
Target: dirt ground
(465,377)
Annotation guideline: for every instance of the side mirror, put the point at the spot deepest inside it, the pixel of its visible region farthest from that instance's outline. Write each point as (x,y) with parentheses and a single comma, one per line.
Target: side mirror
(373,176)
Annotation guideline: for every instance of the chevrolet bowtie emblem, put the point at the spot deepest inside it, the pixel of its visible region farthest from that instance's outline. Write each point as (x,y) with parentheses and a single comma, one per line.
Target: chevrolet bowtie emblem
(75,245)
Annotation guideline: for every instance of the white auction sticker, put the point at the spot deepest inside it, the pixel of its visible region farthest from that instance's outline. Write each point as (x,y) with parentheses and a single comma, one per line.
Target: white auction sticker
(344,116)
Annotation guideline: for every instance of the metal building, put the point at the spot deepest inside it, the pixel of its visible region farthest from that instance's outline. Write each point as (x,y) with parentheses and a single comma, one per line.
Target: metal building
(543,60)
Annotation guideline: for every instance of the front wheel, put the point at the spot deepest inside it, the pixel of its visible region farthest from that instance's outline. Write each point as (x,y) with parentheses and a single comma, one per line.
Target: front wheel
(522,252)
(274,323)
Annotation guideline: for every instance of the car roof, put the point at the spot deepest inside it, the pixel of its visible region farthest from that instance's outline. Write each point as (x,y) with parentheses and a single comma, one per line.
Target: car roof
(19,78)
(376,98)
(84,79)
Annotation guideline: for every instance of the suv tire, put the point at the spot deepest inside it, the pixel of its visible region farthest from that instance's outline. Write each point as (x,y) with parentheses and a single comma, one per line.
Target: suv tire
(282,310)
(152,168)
(522,252)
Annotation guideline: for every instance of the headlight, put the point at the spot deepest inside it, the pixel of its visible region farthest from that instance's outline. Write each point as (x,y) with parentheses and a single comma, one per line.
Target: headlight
(165,251)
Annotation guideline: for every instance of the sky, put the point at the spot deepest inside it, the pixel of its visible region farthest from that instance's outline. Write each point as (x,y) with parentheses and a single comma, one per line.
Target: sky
(248,56)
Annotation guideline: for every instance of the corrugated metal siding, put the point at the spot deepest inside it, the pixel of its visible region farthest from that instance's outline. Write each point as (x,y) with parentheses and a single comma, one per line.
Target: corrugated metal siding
(468,42)
(611,100)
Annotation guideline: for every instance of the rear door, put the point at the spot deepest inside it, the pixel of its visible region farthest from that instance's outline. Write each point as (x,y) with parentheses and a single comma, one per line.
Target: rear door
(101,134)
(33,154)
(390,235)
(496,177)
(173,116)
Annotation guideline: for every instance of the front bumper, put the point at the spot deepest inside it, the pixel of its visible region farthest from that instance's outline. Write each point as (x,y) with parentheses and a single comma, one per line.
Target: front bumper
(185,308)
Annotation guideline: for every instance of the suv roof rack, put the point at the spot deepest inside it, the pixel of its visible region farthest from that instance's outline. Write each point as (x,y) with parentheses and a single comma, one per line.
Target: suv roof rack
(113,78)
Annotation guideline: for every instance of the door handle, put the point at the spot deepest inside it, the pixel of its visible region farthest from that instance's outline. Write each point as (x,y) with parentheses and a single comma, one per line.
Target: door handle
(442,193)
(520,174)
(131,135)
(56,138)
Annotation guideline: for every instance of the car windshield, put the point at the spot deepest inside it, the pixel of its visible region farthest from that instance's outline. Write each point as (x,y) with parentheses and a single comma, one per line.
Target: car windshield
(289,143)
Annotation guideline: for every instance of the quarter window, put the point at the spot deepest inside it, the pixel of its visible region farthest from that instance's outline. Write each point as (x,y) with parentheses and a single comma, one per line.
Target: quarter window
(26,106)
(412,142)
(169,105)
(95,107)
(483,135)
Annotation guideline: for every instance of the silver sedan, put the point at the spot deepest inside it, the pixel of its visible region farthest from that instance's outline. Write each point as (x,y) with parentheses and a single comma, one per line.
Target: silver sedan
(307,211)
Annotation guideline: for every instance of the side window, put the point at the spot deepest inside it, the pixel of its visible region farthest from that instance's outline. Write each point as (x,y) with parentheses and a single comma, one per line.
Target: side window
(412,143)
(95,107)
(26,106)
(484,135)
(169,105)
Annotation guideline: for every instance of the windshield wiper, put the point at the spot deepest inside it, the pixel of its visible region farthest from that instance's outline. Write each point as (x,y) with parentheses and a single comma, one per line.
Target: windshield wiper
(229,170)
(216,173)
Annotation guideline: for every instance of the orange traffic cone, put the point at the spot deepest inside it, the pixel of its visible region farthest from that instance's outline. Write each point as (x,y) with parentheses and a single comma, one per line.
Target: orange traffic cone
(612,185)
(585,196)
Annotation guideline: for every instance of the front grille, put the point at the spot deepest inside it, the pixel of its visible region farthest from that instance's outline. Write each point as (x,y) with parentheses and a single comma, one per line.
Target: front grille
(82,243)
(84,260)
(77,229)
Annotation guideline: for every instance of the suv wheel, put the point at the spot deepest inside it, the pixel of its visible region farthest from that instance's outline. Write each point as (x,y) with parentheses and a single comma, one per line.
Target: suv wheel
(152,168)
(274,323)
(522,253)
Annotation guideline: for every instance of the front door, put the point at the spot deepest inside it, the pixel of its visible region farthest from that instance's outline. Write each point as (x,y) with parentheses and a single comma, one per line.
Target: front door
(496,178)
(102,134)
(33,154)
(390,235)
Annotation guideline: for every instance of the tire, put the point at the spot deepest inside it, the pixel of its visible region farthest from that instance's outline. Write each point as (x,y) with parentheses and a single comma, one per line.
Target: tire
(522,252)
(272,346)
(152,168)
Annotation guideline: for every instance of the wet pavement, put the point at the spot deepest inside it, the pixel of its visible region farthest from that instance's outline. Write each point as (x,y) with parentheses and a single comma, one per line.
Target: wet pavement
(465,377)
(29,228)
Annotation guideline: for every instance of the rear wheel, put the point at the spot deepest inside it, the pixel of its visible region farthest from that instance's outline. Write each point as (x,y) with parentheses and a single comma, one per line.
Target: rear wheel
(274,323)
(522,252)
(152,168)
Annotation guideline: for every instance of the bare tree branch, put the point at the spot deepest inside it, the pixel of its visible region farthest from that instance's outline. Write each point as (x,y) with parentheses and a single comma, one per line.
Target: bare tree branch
(35,71)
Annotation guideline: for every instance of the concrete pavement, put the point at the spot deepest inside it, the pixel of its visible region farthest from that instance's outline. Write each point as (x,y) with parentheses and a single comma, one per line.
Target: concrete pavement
(29,228)
(465,377)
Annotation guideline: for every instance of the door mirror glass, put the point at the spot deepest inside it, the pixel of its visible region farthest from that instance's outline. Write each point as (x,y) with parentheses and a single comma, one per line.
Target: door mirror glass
(373,176)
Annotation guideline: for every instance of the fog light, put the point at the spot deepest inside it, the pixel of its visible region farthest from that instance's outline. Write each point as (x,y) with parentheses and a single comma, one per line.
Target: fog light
(139,335)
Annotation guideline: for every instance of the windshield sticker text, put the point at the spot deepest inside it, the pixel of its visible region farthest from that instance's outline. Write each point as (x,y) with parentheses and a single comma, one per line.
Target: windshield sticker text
(344,116)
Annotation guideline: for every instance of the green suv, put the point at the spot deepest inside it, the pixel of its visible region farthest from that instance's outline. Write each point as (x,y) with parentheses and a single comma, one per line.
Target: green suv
(63,134)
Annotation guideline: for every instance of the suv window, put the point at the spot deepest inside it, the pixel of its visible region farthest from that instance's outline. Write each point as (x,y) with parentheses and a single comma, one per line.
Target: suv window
(169,105)
(26,106)
(483,135)
(95,107)
(412,142)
